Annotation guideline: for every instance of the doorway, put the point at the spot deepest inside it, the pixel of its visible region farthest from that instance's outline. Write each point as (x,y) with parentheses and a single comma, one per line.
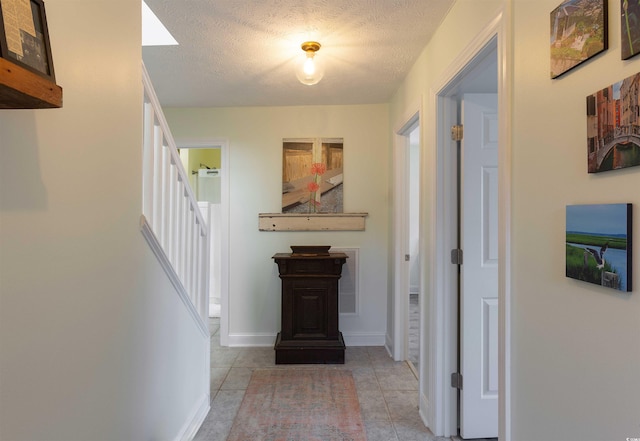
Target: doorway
(480,68)
(206,164)
(472,103)
(408,308)
(413,247)
(407,311)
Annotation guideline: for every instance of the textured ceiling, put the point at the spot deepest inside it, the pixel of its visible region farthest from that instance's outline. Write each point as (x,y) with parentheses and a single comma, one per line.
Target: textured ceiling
(242,52)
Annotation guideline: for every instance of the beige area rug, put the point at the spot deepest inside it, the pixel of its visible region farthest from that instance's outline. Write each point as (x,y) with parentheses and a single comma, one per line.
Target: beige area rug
(304,404)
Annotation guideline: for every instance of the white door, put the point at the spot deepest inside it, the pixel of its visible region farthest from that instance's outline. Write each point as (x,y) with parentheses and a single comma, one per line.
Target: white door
(479,271)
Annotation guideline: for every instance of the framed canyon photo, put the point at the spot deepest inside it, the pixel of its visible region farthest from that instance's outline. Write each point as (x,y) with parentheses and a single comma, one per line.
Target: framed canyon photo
(578,32)
(613,126)
(312,175)
(598,244)
(630,28)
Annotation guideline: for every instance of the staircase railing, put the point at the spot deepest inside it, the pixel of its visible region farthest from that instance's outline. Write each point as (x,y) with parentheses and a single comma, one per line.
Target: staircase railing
(171,220)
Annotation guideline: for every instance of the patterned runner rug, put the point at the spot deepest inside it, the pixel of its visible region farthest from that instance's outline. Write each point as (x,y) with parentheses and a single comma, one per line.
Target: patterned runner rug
(299,405)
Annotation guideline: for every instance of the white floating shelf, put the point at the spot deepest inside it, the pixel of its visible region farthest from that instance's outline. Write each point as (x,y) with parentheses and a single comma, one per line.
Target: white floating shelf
(311,222)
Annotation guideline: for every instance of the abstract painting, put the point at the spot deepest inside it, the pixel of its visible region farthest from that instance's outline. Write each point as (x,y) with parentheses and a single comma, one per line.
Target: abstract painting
(598,244)
(312,175)
(613,126)
(578,32)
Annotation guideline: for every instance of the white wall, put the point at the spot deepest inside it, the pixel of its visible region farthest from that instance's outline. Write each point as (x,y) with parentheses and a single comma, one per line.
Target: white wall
(94,342)
(574,347)
(576,352)
(255,145)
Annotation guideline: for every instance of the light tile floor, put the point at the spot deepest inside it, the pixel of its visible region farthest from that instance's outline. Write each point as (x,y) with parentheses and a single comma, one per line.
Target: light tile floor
(387,390)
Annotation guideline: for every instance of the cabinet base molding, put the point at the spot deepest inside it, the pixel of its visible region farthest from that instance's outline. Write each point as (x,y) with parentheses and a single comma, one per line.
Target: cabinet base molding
(310,351)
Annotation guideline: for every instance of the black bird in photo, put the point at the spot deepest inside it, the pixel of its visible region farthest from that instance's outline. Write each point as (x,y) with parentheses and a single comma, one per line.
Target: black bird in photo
(598,256)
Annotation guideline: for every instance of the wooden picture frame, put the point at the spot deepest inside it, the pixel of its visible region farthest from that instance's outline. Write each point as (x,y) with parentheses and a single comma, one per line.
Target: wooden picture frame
(578,31)
(24,36)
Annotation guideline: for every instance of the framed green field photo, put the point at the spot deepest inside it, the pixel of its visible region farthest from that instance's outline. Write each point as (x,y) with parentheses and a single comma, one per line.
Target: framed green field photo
(598,244)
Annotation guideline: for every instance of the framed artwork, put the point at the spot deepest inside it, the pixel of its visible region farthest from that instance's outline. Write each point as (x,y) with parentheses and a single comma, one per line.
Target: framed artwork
(598,244)
(312,175)
(630,28)
(578,32)
(24,36)
(613,126)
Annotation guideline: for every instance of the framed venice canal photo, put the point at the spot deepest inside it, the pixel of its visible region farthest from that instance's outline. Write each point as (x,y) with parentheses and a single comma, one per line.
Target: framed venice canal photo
(613,126)
(578,32)
(312,175)
(598,244)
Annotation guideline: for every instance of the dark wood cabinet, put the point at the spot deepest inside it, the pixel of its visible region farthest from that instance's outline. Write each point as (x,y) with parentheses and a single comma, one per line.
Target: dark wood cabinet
(309,332)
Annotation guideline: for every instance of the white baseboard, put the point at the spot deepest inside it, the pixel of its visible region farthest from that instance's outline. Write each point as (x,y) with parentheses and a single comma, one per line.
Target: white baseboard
(388,344)
(363,339)
(268,340)
(195,420)
(424,409)
(252,340)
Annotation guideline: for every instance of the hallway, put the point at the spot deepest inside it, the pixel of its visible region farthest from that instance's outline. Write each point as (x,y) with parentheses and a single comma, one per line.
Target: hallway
(387,390)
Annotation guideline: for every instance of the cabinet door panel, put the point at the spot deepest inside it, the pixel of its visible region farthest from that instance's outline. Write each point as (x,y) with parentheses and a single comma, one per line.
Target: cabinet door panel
(310,313)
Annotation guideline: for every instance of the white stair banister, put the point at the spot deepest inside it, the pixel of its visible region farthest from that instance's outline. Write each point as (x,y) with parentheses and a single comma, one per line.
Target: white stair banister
(170,214)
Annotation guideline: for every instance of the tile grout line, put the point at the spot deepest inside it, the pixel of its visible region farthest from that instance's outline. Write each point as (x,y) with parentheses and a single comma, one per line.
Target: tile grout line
(386,405)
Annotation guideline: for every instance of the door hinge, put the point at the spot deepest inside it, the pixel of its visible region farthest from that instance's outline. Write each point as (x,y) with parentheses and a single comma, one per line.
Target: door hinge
(456,256)
(456,380)
(407,257)
(457,132)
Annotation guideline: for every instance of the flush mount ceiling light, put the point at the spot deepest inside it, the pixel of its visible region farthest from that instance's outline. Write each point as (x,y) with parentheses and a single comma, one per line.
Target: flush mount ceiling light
(310,69)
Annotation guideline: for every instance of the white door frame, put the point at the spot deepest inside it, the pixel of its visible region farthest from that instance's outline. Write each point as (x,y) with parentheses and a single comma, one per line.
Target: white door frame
(401,234)
(223,145)
(442,412)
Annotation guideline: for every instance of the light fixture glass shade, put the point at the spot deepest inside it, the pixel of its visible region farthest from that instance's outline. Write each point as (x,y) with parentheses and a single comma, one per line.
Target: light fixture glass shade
(310,68)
